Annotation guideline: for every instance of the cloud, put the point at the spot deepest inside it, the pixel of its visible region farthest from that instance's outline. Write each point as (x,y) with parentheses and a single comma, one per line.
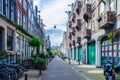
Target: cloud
(53,13)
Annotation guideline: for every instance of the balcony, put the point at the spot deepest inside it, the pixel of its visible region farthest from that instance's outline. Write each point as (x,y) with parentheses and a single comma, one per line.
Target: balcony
(78,7)
(73,31)
(107,20)
(78,40)
(70,35)
(69,24)
(87,12)
(73,17)
(87,33)
(78,26)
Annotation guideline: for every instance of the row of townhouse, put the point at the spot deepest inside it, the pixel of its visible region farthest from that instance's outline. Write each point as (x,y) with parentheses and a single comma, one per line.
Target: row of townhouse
(64,47)
(19,22)
(89,28)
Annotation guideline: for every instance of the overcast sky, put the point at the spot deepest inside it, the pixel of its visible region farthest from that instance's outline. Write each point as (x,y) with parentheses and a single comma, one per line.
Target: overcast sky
(53,13)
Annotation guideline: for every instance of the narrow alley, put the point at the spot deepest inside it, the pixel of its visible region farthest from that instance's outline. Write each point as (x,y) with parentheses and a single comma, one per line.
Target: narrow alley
(59,70)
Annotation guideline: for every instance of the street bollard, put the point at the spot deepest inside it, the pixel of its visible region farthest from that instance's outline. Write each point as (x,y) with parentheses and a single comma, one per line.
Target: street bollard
(40,71)
(26,77)
(78,62)
(69,61)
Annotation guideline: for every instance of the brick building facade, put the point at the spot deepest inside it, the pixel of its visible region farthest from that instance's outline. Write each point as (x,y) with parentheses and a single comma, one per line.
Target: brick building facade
(88,28)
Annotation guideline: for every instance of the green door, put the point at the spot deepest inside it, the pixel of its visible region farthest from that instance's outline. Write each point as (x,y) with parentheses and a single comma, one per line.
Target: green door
(74,53)
(91,53)
(79,54)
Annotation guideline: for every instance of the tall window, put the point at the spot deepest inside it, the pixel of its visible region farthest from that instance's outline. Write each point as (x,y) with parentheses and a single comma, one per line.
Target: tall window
(25,22)
(101,8)
(29,26)
(22,44)
(19,17)
(1,4)
(25,4)
(112,5)
(18,42)
(12,11)
(118,6)
(93,25)
(9,39)
(7,8)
